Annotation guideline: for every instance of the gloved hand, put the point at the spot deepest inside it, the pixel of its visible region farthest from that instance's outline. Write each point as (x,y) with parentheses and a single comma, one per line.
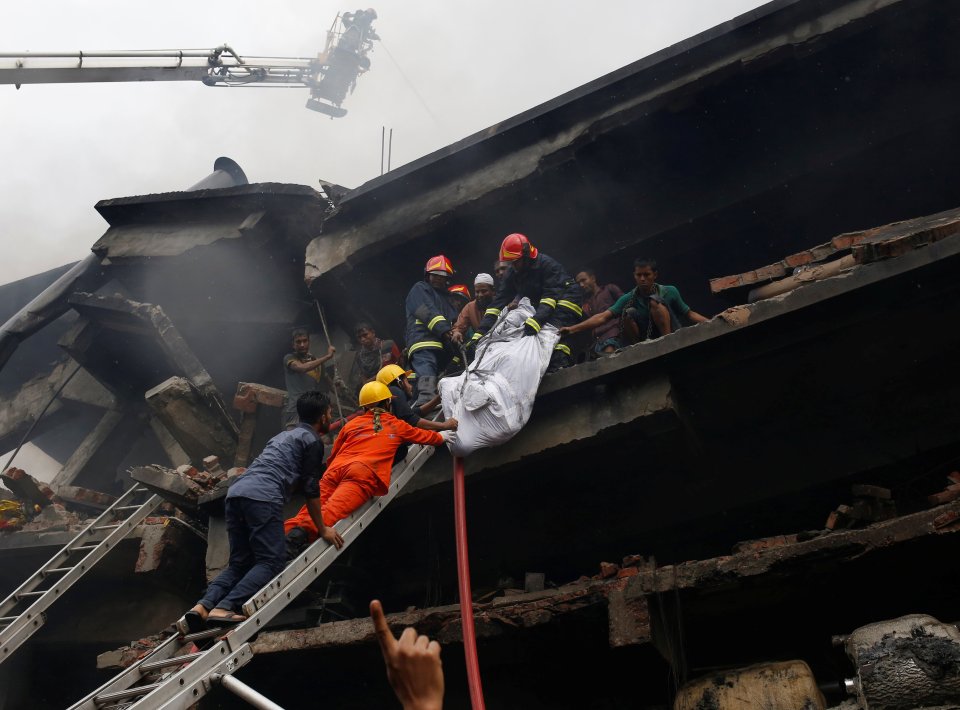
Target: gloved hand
(529,329)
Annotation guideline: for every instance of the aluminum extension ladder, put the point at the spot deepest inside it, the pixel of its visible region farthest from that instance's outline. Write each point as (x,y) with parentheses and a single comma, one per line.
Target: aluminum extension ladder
(176,674)
(23,612)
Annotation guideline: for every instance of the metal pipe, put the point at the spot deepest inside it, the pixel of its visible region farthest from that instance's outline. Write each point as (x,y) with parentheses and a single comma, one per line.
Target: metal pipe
(466,595)
(244,692)
(336,371)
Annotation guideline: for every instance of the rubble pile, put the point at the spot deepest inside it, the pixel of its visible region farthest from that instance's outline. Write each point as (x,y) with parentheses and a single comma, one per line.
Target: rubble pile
(33,506)
(185,485)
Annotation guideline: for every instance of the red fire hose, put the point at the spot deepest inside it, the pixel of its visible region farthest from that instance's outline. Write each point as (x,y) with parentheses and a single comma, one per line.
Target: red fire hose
(466,596)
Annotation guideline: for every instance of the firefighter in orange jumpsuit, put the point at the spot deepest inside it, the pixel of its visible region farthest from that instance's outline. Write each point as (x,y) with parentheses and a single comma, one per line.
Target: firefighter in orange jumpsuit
(360,464)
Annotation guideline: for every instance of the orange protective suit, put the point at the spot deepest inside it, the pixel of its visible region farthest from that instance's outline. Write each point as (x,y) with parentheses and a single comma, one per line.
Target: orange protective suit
(359,467)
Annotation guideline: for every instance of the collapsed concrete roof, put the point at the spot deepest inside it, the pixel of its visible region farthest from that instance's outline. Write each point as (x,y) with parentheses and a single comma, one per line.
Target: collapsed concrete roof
(765,134)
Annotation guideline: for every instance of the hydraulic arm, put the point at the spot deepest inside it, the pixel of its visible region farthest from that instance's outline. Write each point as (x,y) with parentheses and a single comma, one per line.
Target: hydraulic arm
(329,77)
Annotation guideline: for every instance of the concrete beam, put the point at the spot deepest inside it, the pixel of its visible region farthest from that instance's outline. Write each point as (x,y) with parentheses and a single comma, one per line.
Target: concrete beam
(495,618)
(167,484)
(175,452)
(648,405)
(130,320)
(88,448)
(199,424)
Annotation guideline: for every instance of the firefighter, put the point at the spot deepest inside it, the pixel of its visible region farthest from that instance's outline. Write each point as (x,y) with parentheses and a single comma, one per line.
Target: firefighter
(360,464)
(549,287)
(430,318)
(395,378)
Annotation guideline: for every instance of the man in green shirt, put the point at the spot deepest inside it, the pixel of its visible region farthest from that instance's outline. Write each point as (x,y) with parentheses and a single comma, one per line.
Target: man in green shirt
(648,311)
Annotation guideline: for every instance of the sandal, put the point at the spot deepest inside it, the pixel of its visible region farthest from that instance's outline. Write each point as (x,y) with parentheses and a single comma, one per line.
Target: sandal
(192,622)
(231,619)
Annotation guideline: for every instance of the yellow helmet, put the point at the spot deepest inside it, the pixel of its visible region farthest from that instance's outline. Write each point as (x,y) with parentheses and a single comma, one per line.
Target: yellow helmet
(373,392)
(388,373)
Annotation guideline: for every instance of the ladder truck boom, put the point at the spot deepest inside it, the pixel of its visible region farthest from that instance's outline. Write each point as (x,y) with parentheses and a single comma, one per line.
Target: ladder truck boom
(329,77)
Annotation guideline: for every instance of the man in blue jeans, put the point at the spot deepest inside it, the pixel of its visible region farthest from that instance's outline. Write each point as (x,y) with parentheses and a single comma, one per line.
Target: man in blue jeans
(292,460)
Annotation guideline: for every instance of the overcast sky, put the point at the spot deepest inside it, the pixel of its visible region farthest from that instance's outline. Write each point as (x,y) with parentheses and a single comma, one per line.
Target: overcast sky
(443,71)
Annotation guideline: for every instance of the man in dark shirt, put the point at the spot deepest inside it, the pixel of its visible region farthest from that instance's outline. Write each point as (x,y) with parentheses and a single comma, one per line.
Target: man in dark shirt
(290,461)
(374,353)
(606,338)
(302,372)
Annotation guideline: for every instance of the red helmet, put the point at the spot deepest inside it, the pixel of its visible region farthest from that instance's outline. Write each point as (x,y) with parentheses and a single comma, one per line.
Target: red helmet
(460,290)
(440,264)
(516,246)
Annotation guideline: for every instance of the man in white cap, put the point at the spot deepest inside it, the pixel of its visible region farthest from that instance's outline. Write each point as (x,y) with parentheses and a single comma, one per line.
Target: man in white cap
(473,312)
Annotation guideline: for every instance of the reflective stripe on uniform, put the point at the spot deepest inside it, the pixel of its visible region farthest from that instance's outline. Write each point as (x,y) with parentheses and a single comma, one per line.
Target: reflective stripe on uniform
(436,319)
(533,324)
(425,344)
(552,302)
(563,348)
(492,312)
(477,336)
(572,306)
(418,321)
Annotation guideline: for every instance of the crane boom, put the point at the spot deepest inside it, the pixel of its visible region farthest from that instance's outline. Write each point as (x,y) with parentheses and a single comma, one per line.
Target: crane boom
(214,66)
(330,76)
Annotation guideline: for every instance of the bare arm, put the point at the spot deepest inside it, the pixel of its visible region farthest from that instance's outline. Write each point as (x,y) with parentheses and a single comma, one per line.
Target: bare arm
(696,317)
(308,365)
(590,323)
(316,515)
(430,425)
(430,406)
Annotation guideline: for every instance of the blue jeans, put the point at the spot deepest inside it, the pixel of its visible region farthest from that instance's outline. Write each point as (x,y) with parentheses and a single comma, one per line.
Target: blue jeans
(257,553)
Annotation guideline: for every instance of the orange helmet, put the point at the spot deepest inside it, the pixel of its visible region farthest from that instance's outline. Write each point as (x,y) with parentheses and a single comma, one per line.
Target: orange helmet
(460,290)
(516,246)
(439,264)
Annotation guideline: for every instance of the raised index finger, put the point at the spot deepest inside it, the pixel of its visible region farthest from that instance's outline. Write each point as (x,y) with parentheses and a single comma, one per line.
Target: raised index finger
(384,635)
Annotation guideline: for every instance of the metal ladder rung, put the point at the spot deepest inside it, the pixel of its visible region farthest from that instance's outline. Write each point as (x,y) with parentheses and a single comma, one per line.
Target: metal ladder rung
(208,634)
(128,693)
(83,548)
(57,570)
(21,595)
(166,662)
(126,507)
(8,619)
(106,527)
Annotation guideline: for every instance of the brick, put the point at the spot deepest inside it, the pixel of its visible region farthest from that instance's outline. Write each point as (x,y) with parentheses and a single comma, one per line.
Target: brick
(944,496)
(946,518)
(608,569)
(212,464)
(634,561)
(627,572)
(774,271)
(766,543)
(954,476)
(724,282)
(845,241)
(839,518)
(800,259)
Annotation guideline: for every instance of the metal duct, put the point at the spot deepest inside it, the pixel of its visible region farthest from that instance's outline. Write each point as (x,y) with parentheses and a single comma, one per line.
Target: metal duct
(226,173)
